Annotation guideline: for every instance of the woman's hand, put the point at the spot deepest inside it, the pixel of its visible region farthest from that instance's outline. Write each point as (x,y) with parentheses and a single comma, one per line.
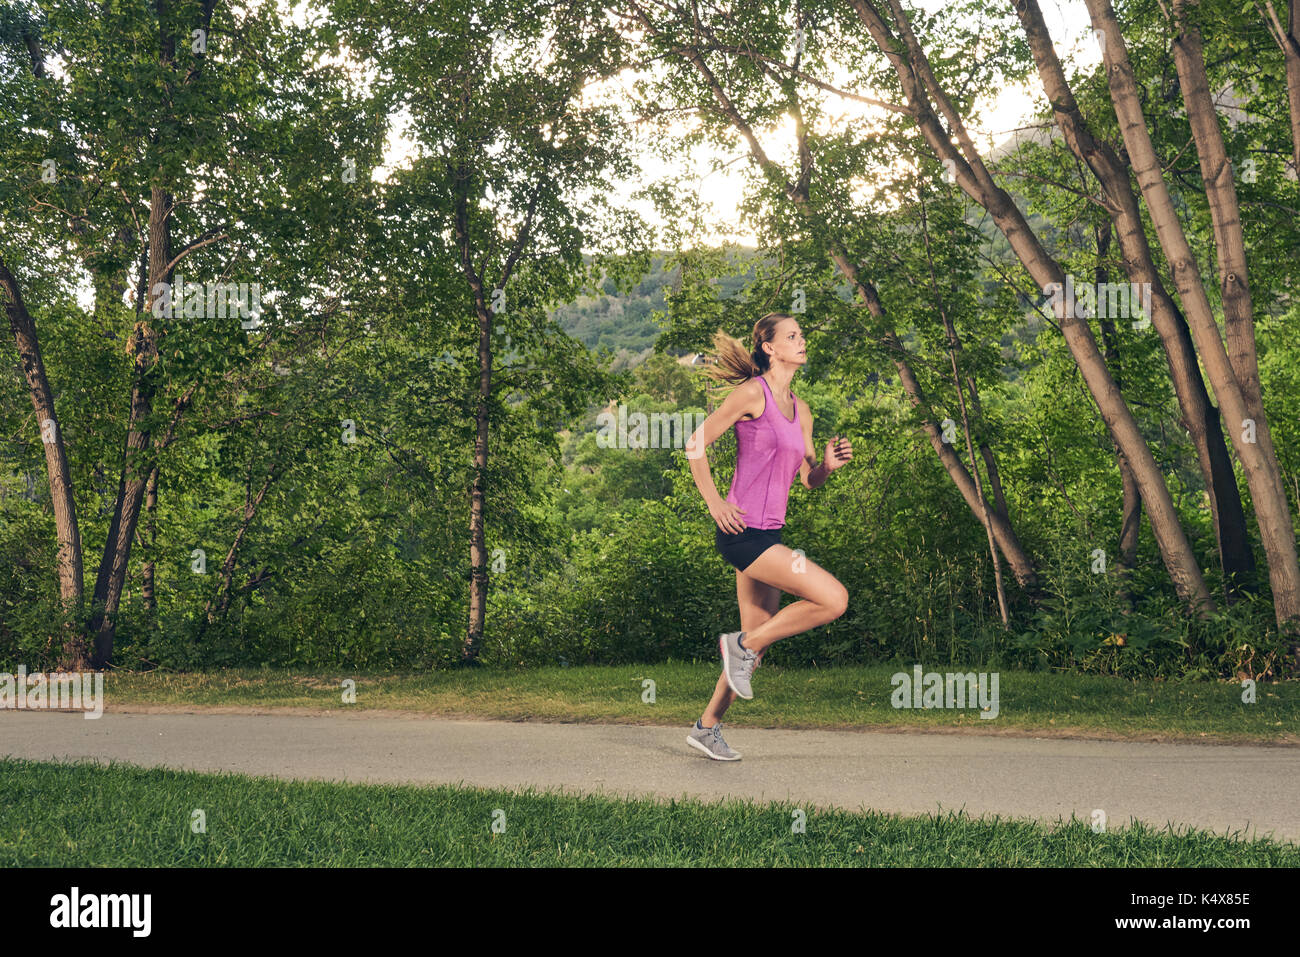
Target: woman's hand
(727,517)
(839,452)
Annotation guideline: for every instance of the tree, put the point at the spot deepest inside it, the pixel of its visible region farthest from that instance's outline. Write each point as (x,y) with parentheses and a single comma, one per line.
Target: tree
(1200,417)
(168,154)
(1235,378)
(511,185)
(925,95)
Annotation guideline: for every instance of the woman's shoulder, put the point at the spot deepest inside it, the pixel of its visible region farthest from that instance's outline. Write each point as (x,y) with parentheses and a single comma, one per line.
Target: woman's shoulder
(752,396)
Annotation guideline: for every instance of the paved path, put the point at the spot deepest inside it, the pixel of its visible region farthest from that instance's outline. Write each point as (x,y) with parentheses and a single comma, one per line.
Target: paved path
(1222,788)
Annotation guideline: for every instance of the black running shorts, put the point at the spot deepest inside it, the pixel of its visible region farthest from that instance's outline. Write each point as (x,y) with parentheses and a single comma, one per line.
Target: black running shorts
(742,548)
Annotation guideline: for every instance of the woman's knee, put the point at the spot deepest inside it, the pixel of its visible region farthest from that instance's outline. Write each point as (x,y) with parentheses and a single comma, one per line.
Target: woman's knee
(836,601)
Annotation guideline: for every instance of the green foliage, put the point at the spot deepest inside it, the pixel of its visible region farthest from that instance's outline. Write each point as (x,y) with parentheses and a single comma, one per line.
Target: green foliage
(329,453)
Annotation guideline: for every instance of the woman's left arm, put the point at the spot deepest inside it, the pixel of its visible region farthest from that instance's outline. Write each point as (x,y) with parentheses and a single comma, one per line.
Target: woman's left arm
(838,453)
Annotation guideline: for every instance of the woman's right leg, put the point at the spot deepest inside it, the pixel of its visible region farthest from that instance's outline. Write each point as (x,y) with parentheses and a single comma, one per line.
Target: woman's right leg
(824,598)
(757,603)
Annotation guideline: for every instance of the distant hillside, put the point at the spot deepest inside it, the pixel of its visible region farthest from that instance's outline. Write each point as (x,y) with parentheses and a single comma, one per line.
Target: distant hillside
(615,322)
(625,325)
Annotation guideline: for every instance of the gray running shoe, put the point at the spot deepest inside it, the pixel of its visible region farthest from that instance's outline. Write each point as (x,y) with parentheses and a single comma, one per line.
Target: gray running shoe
(738,664)
(709,740)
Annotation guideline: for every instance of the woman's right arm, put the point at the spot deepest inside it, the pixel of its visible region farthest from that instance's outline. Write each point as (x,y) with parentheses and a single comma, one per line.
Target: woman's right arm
(743,400)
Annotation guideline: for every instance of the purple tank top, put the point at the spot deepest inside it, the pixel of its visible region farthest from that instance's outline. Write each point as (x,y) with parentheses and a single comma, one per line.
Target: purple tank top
(769,451)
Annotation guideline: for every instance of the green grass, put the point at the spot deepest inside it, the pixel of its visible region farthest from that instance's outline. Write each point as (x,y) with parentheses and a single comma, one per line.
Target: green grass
(850,697)
(91,815)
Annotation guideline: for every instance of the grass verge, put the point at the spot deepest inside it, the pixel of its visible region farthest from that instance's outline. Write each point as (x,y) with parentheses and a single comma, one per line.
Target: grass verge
(843,698)
(88,814)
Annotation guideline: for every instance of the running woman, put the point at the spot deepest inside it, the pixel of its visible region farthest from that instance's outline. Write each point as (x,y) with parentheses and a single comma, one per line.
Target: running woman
(773,444)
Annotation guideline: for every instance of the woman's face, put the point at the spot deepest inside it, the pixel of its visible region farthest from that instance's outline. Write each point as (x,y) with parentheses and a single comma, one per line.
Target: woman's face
(787,343)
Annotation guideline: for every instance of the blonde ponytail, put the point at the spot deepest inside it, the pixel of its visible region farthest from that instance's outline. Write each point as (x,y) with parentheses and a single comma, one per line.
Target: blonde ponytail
(731,363)
(734,366)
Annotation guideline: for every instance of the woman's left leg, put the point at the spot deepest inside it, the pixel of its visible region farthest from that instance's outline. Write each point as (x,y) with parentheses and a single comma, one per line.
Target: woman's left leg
(824,598)
(758,602)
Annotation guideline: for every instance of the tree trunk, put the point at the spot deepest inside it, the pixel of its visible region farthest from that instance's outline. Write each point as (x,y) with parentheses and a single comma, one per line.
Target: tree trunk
(1291,54)
(995,476)
(953,345)
(478,578)
(75,655)
(1046,272)
(1229,243)
(1288,40)
(1129,529)
(138,457)
(150,542)
(1253,445)
(1225,211)
(477,527)
(1131,503)
(1003,532)
(215,610)
(1200,417)
(151,493)
(986,509)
